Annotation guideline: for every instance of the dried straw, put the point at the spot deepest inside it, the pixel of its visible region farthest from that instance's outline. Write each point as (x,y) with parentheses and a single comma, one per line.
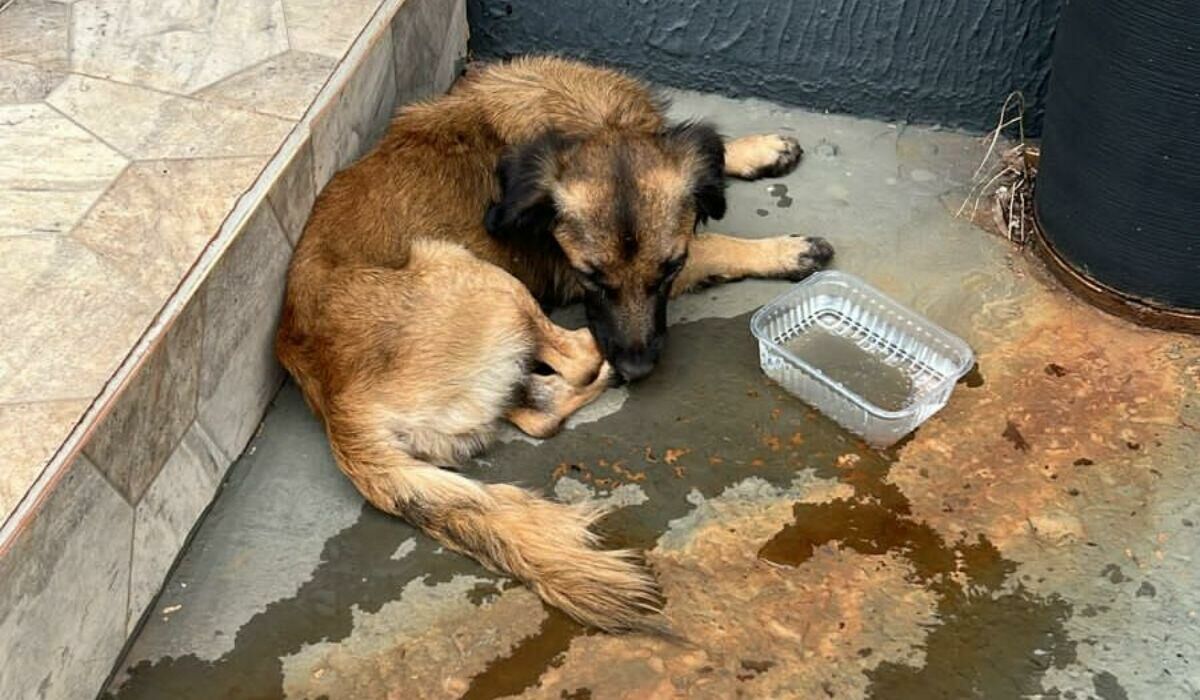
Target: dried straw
(1005,180)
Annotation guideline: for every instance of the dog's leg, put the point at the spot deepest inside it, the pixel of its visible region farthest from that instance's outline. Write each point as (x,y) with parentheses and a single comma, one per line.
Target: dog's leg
(713,258)
(551,399)
(762,155)
(573,354)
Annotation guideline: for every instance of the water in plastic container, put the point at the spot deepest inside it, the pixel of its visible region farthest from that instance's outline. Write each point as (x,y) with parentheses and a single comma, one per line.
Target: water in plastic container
(857,369)
(868,363)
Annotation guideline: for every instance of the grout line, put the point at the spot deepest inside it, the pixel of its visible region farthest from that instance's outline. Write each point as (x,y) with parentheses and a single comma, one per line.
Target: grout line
(35,64)
(239,72)
(214,451)
(200,299)
(89,132)
(70,35)
(220,448)
(70,233)
(282,232)
(107,479)
(176,95)
(275,213)
(229,103)
(287,25)
(174,448)
(162,347)
(53,399)
(34,234)
(129,578)
(231,226)
(240,156)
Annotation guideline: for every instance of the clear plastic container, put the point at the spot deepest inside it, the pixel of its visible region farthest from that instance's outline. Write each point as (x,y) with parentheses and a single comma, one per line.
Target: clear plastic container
(860,358)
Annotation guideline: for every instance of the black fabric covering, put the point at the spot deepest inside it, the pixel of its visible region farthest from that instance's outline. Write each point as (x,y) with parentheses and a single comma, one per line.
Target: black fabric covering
(1118,191)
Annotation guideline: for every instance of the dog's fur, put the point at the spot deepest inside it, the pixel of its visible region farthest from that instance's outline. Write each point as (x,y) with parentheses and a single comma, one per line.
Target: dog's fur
(412,321)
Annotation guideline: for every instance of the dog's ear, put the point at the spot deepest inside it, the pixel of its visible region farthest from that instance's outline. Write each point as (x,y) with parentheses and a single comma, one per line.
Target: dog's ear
(526,173)
(707,151)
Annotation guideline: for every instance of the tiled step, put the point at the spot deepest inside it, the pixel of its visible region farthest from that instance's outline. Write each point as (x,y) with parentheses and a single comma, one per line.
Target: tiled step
(156,167)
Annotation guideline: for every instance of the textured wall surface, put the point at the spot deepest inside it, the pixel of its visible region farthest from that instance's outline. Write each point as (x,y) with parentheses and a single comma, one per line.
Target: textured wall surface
(949,61)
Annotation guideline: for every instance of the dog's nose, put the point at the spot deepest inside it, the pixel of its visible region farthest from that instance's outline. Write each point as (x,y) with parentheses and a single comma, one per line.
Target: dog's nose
(633,365)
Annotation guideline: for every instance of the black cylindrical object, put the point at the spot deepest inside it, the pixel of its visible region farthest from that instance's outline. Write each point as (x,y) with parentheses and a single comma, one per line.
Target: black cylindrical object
(1118,189)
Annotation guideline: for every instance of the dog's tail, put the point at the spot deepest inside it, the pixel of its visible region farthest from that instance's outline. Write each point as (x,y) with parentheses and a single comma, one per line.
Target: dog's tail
(548,546)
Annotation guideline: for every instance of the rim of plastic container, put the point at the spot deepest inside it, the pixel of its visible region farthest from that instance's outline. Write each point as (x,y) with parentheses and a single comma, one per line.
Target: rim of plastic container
(956,344)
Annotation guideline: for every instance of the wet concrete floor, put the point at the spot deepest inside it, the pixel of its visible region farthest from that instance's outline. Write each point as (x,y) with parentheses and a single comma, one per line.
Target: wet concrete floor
(1038,538)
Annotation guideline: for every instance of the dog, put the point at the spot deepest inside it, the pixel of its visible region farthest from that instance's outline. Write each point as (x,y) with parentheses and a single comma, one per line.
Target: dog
(413,321)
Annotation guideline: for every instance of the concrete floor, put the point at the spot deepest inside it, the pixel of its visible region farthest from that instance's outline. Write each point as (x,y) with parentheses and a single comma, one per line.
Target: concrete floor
(1037,538)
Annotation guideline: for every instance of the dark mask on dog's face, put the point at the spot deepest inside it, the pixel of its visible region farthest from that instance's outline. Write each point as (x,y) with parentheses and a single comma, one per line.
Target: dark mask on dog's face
(623,210)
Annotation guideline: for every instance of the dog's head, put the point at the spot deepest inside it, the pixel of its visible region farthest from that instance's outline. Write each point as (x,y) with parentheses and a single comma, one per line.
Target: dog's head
(622,208)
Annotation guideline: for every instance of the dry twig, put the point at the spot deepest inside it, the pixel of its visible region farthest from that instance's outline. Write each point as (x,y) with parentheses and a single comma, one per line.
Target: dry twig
(1005,179)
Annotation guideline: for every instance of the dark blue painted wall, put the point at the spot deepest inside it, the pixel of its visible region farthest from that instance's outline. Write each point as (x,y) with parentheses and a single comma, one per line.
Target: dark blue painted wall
(935,61)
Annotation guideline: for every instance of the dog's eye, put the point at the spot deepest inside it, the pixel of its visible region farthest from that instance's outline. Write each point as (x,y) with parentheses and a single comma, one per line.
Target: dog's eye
(668,271)
(592,280)
(672,267)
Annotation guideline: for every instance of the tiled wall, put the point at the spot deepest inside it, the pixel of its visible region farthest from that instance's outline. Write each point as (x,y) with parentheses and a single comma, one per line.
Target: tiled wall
(84,568)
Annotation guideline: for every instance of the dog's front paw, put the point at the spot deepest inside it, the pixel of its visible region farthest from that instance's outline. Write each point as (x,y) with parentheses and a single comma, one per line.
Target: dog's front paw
(801,256)
(762,155)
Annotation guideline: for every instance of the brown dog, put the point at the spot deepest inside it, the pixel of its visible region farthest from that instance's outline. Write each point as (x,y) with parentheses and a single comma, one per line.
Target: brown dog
(412,322)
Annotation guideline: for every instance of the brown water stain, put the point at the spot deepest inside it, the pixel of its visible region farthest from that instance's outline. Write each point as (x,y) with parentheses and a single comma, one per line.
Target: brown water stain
(521,668)
(996,645)
(322,609)
(989,637)
(867,528)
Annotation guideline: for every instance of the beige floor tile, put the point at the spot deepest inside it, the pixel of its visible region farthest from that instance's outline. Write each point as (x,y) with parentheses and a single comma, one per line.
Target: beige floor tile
(23,83)
(320,26)
(243,298)
(144,228)
(175,45)
(145,124)
(284,85)
(35,31)
(293,194)
(30,433)
(51,171)
(167,512)
(64,586)
(429,37)
(356,118)
(153,410)
(44,281)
